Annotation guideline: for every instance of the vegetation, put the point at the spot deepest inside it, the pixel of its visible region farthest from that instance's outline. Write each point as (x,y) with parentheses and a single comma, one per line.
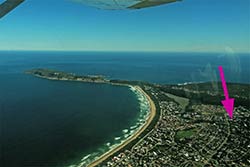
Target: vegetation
(59,75)
(210,93)
(187,134)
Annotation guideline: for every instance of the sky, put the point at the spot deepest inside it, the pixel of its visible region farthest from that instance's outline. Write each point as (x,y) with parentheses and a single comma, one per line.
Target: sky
(186,26)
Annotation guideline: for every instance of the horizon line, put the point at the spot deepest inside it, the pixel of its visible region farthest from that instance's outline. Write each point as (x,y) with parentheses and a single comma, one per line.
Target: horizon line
(120,51)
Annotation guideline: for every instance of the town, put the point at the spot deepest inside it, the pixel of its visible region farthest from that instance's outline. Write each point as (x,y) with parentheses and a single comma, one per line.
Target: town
(200,135)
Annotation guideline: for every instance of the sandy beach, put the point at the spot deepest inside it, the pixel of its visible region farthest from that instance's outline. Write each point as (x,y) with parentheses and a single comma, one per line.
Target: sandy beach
(134,136)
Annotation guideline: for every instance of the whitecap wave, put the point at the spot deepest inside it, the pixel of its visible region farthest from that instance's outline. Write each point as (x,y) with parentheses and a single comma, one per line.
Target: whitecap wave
(133,127)
(117,138)
(86,157)
(125,131)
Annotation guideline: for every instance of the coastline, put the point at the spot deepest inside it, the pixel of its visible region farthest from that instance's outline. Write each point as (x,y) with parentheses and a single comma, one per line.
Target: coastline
(134,136)
(62,76)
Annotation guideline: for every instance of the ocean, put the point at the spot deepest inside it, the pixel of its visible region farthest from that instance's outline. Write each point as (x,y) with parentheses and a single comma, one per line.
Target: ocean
(60,123)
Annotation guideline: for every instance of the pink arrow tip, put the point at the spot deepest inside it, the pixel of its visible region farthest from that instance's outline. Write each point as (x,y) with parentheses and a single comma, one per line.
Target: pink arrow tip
(229,106)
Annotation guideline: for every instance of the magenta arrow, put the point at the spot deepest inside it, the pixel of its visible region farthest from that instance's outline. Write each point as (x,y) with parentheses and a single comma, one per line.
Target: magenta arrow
(228,103)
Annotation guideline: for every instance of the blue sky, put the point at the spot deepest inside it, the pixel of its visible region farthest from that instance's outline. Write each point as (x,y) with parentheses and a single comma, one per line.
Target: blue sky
(187,26)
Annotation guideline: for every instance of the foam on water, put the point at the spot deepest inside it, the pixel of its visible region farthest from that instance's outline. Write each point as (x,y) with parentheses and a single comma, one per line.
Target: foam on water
(117,138)
(133,127)
(125,131)
(86,157)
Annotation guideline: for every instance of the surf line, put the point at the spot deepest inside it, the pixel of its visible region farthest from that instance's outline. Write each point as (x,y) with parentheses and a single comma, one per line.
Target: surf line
(150,118)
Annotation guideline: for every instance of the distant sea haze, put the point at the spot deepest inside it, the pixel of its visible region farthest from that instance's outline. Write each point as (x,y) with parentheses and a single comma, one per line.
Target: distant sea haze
(151,67)
(55,123)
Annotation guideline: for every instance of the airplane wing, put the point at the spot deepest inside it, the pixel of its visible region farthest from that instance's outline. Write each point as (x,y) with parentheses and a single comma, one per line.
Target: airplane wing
(8,5)
(150,3)
(124,4)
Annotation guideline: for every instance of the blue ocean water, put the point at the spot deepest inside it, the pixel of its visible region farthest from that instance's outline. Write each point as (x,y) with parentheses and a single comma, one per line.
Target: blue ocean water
(152,67)
(50,123)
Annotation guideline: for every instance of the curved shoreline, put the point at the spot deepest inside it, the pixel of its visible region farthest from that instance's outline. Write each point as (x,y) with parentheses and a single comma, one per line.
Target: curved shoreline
(62,76)
(134,136)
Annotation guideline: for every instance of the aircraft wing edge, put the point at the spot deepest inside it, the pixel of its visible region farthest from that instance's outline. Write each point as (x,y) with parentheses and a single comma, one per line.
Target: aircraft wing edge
(151,3)
(8,6)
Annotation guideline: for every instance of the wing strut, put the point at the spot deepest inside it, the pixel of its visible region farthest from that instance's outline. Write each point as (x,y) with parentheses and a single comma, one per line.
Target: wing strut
(8,6)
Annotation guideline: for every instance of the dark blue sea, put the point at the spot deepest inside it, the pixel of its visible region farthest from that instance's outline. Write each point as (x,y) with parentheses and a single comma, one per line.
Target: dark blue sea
(60,123)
